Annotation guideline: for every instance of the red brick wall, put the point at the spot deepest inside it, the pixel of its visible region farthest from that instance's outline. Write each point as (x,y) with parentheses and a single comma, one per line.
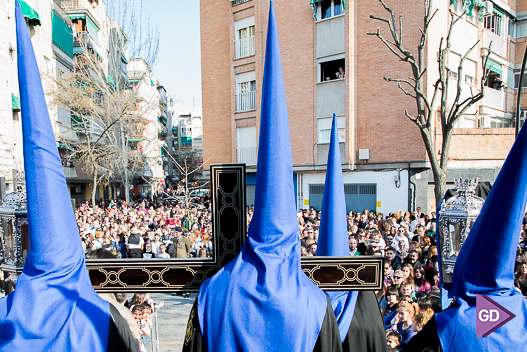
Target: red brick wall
(382,126)
(480,143)
(216,73)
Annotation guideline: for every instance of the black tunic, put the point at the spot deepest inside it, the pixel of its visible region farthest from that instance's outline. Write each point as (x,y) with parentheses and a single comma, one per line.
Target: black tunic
(366,332)
(328,339)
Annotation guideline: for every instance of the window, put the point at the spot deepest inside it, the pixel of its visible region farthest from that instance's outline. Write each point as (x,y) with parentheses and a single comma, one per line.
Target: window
(330,70)
(246,145)
(469,79)
(244,38)
(453,64)
(494,23)
(458,7)
(331,8)
(324,129)
(245,92)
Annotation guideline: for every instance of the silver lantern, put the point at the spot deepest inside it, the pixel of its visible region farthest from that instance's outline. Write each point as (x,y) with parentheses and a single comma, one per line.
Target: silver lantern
(14,235)
(455,219)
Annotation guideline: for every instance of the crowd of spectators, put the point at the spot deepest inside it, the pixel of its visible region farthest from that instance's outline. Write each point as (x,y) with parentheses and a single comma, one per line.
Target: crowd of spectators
(164,226)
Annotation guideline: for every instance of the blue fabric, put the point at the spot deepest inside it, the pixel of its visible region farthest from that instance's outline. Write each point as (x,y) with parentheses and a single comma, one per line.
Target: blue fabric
(54,307)
(262,300)
(333,232)
(485,264)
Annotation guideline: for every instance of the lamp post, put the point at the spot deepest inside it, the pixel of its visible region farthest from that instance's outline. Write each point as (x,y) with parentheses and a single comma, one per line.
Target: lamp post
(455,219)
(14,235)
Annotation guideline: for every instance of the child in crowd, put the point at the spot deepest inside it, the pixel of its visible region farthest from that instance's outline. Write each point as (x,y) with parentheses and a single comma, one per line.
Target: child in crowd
(144,330)
(147,317)
(418,323)
(393,339)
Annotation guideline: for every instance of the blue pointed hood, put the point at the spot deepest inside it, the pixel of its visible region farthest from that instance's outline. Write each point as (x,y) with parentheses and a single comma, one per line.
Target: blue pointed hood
(485,264)
(54,307)
(262,300)
(333,234)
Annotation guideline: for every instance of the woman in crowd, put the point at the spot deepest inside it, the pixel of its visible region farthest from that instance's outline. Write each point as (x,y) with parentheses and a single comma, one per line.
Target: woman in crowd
(406,314)
(521,278)
(422,287)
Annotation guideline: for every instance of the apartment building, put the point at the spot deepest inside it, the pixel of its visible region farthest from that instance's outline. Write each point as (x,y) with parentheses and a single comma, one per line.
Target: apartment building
(331,65)
(62,30)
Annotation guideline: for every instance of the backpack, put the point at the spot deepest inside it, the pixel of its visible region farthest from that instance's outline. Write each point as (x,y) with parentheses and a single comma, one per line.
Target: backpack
(134,238)
(171,250)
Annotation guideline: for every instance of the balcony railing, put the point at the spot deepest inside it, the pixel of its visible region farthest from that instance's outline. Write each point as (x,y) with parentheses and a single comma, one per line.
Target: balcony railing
(246,155)
(244,47)
(237,2)
(246,101)
(72,4)
(494,99)
(499,45)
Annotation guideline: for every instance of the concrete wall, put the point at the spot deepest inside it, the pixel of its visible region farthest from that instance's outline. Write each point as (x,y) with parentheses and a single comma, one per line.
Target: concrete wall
(389,197)
(330,37)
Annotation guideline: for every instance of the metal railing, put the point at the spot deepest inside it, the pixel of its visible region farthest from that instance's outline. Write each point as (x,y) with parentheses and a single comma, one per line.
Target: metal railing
(245,101)
(247,155)
(244,47)
(237,2)
(72,4)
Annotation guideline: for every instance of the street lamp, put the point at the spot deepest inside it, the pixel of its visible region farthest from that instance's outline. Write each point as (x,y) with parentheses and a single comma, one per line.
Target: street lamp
(455,219)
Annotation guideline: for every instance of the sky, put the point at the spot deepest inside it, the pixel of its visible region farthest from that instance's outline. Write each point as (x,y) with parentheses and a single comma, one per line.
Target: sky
(179,65)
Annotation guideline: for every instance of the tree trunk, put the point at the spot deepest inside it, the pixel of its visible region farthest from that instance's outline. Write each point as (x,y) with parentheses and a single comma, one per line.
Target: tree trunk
(440,187)
(127,190)
(94,188)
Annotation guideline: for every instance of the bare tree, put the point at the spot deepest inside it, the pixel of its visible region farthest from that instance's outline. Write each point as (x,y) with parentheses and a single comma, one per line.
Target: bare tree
(187,168)
(414,87)
(106,114)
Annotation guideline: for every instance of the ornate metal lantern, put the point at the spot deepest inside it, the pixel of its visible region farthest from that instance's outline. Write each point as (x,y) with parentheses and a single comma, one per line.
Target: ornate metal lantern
(14,233)
(455,219)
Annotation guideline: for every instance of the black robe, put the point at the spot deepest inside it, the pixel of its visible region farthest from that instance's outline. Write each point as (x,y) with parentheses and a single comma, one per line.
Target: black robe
(328,339)
(366,332)
(120,337)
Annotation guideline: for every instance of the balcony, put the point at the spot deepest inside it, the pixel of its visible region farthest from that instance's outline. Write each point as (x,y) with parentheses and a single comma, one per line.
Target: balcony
(499,45)
(244,47)
(494,99)
(245,101)
(246,155)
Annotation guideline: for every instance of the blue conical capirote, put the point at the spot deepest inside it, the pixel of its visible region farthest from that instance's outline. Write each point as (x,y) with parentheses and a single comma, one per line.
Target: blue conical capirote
(262,300)
(485,264)
(333,234)
(54,307)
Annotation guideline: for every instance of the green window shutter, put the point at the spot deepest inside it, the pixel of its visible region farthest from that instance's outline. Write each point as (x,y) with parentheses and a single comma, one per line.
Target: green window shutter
(92,29)
(62,35)
(162,151)
(33,19)
(15,103)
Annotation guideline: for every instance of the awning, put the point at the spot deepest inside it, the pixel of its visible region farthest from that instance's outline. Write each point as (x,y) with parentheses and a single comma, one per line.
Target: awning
(15,102)
(33,19)
(61,35)
(152,82)
(494,66)
(76,17)
(498,12)
(111,81)
(124,59)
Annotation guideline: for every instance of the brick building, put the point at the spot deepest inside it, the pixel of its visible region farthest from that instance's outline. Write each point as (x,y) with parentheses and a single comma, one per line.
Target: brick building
(385,164)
